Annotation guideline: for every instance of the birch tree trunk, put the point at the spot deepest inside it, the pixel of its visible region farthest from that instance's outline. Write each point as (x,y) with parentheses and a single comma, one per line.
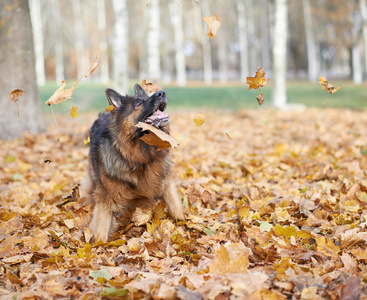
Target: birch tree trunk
(242,32)
(207,49)
(363,9)
(265,38)
(81,61)
(176,15)
(58,47)
(120,47)
(251,35)
(280,53)
(17,62)
(153,41)
(312,53)
(103,47)
(222,47)
(355,55)
(35,8)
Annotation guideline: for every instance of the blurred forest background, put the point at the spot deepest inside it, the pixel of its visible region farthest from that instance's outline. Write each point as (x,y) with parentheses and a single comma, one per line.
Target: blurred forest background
(166,42)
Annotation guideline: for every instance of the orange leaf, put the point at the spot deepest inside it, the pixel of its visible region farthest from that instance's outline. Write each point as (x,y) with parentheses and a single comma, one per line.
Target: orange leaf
(61,94)
(328,86)
(73,112)
(213,25)
(94,67)
(258,81)
(150,87)
(110,108)
(15,94)
(157,137)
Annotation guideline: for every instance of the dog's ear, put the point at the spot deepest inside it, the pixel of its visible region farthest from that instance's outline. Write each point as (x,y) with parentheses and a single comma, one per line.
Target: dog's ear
(114,98)
(139,92)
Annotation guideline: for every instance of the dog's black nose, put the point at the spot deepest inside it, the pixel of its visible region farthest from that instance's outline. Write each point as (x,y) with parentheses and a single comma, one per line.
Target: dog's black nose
(160,94)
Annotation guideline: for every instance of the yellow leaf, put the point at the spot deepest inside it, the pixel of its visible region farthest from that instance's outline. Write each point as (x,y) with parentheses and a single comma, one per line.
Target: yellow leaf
(150,87)
(258,81)
(73,112)
(328,86)
(156,137)
(213,25)
(224,264)
(199,120)
(326,246)
(110,108)
(87,141)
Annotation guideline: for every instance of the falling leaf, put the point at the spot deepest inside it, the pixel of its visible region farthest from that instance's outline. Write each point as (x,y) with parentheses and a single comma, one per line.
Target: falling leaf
(156,137)
(15,94)
(110,108)
(73,112)
(94,67)
(258,81)
(150,87)
(260,98)
(61,95)
(213,24)
(87,141)
(199,120)
(328,86)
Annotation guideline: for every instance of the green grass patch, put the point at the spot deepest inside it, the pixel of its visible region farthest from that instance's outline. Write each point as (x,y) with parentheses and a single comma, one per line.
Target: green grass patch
(91,97)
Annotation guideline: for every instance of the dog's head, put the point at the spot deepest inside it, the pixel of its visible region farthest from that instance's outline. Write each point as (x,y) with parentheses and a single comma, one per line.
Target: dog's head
(139,108)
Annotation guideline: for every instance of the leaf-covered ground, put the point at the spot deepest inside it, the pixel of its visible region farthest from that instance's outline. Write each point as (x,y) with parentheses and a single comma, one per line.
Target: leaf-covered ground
(278,210)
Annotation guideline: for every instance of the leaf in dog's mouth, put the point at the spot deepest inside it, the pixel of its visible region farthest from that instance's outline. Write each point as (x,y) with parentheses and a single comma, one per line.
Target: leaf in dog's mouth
(157,137)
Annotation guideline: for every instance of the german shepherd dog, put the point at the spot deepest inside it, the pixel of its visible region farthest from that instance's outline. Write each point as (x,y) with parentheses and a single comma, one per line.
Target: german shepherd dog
(124,172)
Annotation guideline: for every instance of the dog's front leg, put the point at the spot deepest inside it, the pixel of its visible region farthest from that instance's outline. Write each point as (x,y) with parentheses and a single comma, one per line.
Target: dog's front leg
(173,202)
(103,220)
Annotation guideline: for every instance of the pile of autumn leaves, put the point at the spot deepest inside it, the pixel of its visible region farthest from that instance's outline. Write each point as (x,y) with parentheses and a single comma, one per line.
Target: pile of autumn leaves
(277,208)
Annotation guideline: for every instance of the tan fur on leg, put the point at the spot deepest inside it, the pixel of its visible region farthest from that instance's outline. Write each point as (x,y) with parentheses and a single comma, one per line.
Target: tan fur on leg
(173,202)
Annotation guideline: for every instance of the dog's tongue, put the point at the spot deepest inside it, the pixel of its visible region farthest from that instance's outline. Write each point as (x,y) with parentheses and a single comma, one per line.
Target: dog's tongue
(157,115)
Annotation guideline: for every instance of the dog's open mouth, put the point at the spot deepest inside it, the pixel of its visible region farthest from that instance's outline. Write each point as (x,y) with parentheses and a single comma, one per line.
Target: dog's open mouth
(158,118)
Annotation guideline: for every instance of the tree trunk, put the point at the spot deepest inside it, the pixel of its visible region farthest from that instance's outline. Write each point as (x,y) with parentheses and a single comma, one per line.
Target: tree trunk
(120,47)
(58,47)
(363,9)
(153,41)
(355,55)
(35,8)
(242,32)
(280,53)
(252,38)
(17,62)
(222,47)
(81,61)
(207,49)
(312,53)
(265,37)
(103,47)
(176,15)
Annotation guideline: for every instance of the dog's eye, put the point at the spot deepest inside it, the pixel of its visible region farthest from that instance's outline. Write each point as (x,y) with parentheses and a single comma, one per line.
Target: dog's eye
(138,102)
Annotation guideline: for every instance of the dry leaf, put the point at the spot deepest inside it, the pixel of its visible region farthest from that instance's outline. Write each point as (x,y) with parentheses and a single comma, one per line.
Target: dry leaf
(15,94)
(150,87)
(94,67)
(199,120)
(328,86)
(213,25)
(260,98)
(110,108)
(258,81)
(73,112)
(61,95)
(157,137)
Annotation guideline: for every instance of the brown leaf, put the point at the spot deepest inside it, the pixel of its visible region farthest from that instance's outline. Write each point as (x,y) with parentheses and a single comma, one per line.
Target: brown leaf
(260,98)
(328,86)
(150,87)
(157,137)
(14,95)
(213,25)
(94,67)
(61,95)
(258,81)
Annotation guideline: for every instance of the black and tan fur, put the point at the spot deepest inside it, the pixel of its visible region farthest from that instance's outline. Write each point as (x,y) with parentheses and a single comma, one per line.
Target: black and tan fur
(124,172)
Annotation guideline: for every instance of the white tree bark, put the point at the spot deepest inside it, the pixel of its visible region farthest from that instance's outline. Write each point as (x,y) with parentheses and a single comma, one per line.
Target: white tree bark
(207,48)
(355,20)
(312,53)
(153,41)
(35,8)
(81,61)
(280,53)
(222,47)
(265,38)
(363,9)
(58,46)
(180,61)
(120,46)
(103,55)
(242,32)
(251,35)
